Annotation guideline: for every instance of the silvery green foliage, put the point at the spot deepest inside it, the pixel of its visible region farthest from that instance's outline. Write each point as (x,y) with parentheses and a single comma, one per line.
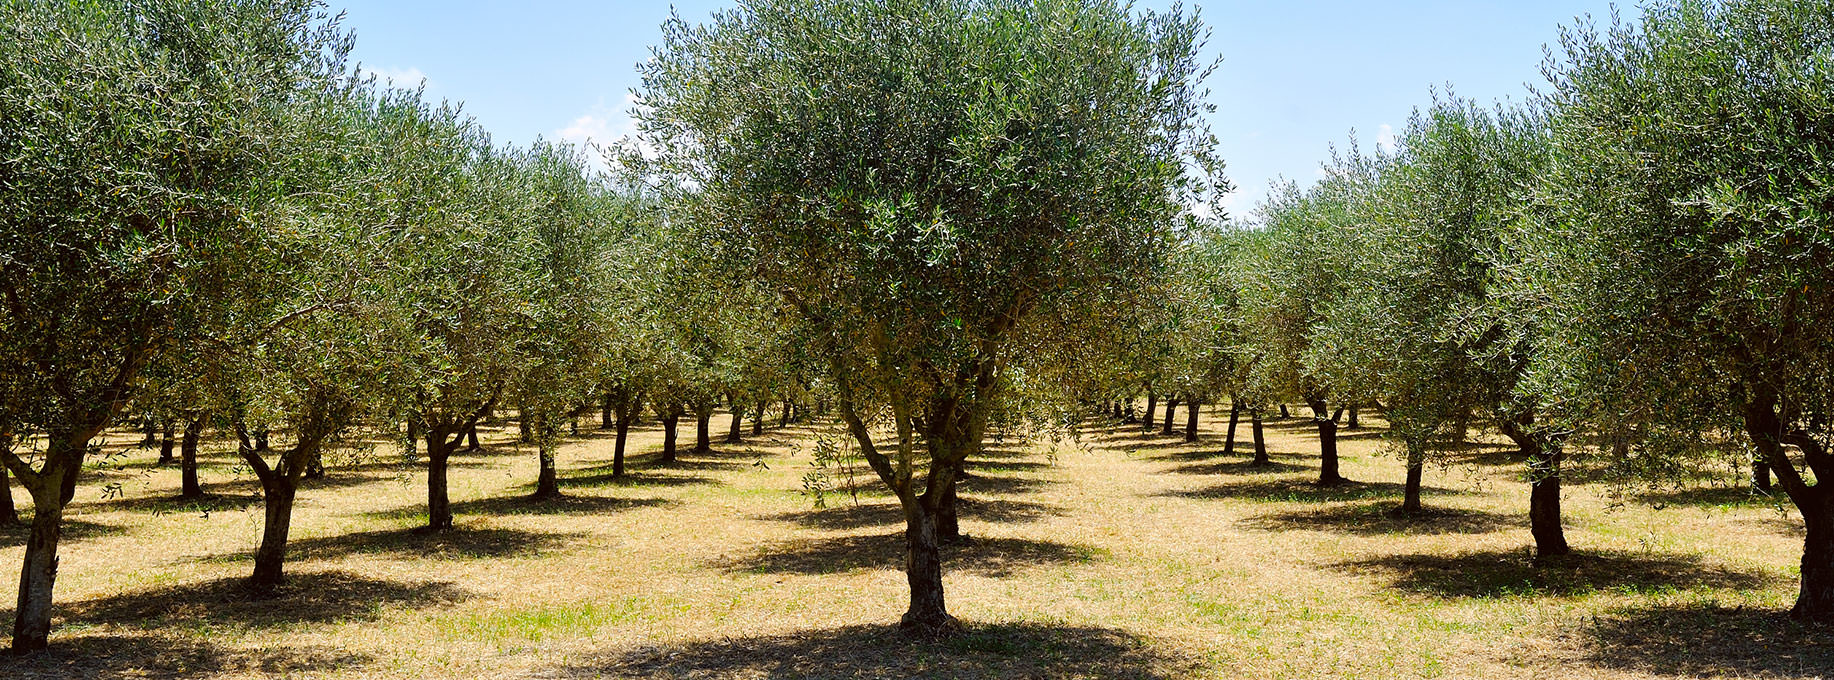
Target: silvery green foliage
(922,178)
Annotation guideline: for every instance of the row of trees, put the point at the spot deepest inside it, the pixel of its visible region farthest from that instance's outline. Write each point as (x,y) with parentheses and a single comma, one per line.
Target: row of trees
(1634,266)
(212,219)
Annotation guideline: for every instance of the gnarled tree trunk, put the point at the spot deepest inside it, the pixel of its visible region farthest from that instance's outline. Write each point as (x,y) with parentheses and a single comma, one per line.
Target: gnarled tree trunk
(1770,432)
(1190,421)
(440,445)
(1327,443)
(187,459)
(1544,452)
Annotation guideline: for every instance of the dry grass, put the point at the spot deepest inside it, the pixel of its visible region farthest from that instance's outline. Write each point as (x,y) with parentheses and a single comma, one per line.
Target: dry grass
(1137,556)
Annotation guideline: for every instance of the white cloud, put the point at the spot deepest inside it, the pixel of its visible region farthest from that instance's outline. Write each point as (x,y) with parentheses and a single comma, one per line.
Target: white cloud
(399,77)
(1385,138)
(603,127)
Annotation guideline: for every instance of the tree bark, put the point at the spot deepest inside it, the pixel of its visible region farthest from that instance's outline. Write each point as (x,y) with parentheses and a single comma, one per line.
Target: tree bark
(168,441)
(32,619)
(1543,452)
(703,441)
(1171,415)
(1283,414)
(278,491)
(413,436)
(1327,443)
(9,513)
(605,412)
(471,439)
(1351,423)
(1760,475)
(1260,440)
(785,422)
(1190,422)
(1416,465)
(927,617)
(1235,418)
(617,455)
(1815,599)
(547,483)
(187,460)
(737,426)
(1152,406)
(948,525)
(668,436)
(757,420)
(439,453)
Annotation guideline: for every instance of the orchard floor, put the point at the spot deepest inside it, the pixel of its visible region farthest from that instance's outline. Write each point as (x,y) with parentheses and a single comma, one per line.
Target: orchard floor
(1128,555)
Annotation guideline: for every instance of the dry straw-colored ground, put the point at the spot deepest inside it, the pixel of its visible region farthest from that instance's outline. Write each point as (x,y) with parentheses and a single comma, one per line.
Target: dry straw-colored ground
(1132,556)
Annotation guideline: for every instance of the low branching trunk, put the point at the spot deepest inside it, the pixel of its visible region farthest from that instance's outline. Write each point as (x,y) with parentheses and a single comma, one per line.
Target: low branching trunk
(1543,451)
(51,487)
(1769,432)
(1327,442)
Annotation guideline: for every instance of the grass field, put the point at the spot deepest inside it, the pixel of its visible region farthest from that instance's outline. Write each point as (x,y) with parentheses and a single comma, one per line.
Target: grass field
(1128,555)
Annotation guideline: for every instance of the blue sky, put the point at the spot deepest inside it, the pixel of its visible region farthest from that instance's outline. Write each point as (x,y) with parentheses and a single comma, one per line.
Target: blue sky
(1296,77)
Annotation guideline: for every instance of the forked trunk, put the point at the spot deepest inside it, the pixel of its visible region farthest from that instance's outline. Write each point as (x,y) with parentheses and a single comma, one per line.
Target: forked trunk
(1543,452)
(1235,418)
(1261,457)
(1327,444)
(277,495)
(1815,600)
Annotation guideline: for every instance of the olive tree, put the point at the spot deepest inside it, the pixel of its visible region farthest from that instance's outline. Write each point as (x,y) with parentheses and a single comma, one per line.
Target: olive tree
(918,179)
(140,150)
(1683,272)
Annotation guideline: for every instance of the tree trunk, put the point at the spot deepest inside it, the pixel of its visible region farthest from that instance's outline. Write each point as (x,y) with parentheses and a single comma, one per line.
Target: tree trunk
(927,616)
(738,424)
(277,495)
(439,504)
(525,430)
(1152,406)
(1190,421)
(150,428)
(1352,423)
(1760,475)
(948,525)
(1815,600)
(547,484)
(785,422)
(168,441)
(187,460)
(668,436)
(32,619)
(413,436)
(1235,418)
(1327,443)
(1543,452)
(1416,465)
(471,439)
(1171,415)
(1129,416)
(1283,414)
(757,420)
(1260,441)
(617,455)
(605,412)
(9,513)
(703,441)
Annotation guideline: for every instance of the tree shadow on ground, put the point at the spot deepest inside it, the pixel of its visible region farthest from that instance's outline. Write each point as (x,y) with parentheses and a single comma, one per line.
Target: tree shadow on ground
(1506,574)
(565,504)
(850,516)
(1001,484)
(600,476)
(1238,466)
(1705,641)
(1006,465)
(15,535)
(996,557)
(310,597)
(1304,491)
(105,656)
(1381,519)
(460,543)
(1712,496)
(236,495)
(984,651)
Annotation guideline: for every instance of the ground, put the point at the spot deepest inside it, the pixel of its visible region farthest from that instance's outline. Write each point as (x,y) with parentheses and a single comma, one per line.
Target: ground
(1124,555)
